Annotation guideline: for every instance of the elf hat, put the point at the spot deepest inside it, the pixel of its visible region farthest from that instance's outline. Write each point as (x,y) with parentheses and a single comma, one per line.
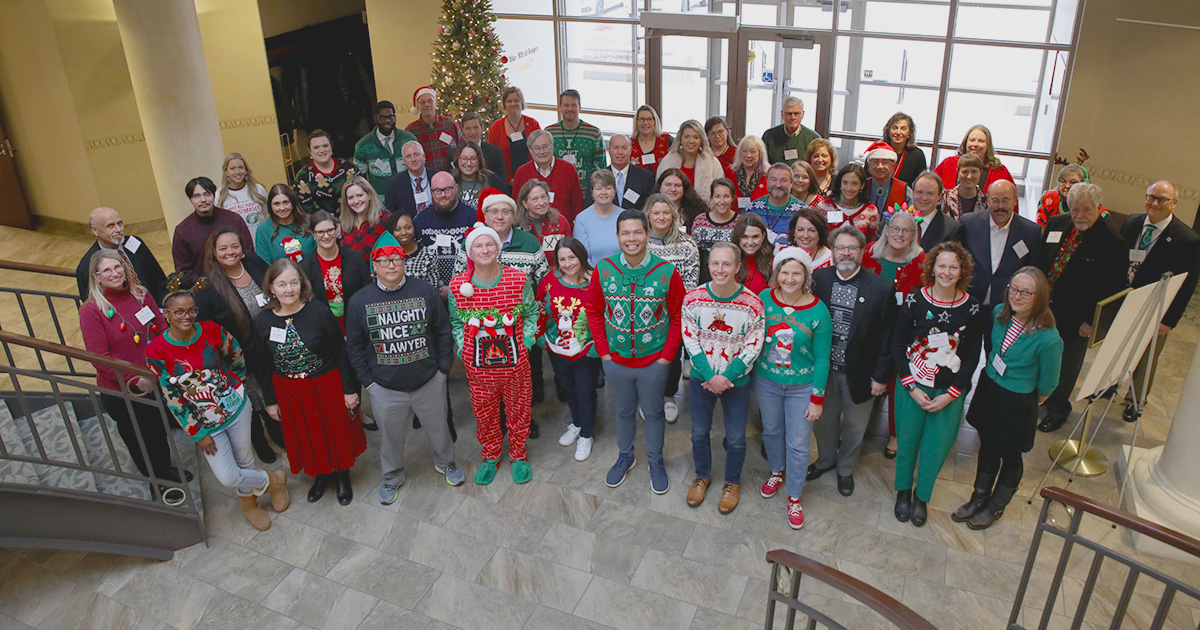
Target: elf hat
(386,246)
(424,89)
(490,197)
(798,254)
(880,151)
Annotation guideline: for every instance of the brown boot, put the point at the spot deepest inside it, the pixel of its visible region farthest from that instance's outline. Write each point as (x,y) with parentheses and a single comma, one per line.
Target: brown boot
(278,490)
(729,498)
(697,491)
(257,517)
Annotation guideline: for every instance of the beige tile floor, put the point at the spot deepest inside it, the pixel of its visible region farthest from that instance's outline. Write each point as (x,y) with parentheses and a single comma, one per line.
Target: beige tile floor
(564,551)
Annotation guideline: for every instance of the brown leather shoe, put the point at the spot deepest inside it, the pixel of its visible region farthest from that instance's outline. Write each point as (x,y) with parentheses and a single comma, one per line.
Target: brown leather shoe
(729,498)
(697,491)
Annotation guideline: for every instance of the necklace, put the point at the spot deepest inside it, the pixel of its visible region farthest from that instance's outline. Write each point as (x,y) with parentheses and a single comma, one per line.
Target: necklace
(239,276)
(124,324)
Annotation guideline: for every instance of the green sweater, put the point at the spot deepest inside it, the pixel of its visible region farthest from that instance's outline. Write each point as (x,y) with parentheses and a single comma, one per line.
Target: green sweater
(635,313)
(797,345)
(583,146)
(779,143)
(1031,362)
(378,164)
(271,248)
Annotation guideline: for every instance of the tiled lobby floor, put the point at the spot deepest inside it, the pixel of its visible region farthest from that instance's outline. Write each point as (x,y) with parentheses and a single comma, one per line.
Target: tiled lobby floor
(565,552)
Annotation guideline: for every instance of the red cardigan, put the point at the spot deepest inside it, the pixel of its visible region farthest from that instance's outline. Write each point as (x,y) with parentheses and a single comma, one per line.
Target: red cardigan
(497,137)
(566,195)
(908,277)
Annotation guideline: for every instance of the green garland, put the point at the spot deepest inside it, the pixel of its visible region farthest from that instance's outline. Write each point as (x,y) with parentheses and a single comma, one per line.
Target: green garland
(465,315)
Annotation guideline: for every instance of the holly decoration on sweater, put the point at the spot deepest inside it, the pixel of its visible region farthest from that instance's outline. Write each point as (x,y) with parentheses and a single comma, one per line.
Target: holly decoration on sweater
(293,357)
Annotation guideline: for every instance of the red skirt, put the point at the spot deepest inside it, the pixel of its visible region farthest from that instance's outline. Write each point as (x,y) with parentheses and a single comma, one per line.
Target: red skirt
(319,432)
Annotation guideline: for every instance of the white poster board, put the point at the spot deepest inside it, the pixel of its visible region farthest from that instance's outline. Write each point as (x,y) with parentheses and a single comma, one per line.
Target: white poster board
(1135,326)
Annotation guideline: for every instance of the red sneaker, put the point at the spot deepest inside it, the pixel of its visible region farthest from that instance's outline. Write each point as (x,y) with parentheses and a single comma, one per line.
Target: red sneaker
(795,513)
(771,485)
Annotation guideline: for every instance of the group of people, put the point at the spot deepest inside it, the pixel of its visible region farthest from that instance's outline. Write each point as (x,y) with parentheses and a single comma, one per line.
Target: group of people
(772,272)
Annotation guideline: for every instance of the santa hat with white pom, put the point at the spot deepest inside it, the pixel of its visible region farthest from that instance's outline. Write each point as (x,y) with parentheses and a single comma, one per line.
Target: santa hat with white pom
(466,289)
(424,89)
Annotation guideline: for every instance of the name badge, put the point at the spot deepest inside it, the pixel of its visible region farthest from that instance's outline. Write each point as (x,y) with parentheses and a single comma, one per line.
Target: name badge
(551,196)
(515,136)
(648,158)
(144,315)
(1021,249)
(569,158)
(999,365)
(278,334)
(939,340)
(421,197)
(446,138)
(743,203)
(1137,255)
(442,240)
(132,244)
(835,216)
(899,298)
(261,299)
(631,195)
(791,154)
(1054,237)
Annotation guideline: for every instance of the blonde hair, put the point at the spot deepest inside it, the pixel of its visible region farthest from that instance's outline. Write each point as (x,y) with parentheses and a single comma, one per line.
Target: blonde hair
(252,184)
(822,143)
(880,247)
(674,234)
(694,125)
(374,205)
(759,146)
(96,292)
(657,122)
(989,157)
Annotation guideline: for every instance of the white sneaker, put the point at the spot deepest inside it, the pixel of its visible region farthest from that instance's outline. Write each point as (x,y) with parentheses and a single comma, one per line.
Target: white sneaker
(569,437)
(583,449)
(672,412)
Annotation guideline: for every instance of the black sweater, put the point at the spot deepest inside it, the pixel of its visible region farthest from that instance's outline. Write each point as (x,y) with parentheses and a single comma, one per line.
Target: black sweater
(400,338)
(320,349)
(921,319)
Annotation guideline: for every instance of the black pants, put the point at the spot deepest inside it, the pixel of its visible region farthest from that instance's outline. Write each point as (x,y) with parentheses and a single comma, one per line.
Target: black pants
(674,371)
(1008,468)
(578,380)
(149,423)
(537,380)
(1058,405)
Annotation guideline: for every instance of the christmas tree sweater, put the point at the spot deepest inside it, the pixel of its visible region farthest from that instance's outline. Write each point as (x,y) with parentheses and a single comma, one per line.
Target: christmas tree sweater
(723,336)
(305,344)
(493,326)
(634,313)
(582,146)
(798,342)
(201,378)
(562,323)
(522,252)
(936,344)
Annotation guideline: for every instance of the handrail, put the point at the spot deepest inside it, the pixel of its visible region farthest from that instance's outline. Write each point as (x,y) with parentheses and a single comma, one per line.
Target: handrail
(32,268)
(1165,535)
(882,603)
(76,353)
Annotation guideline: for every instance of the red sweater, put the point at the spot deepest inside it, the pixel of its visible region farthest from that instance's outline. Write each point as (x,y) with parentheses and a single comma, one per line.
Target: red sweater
(948,171)
(497,135)
(187,246)
(103,335)
(566,195)
(549,232)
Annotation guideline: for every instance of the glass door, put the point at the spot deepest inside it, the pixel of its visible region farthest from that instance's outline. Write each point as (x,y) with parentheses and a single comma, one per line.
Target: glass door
(776,70)
(694,81)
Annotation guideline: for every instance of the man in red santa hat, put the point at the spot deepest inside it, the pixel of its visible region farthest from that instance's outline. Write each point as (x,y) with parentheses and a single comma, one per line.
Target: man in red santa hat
(886,190)
(437,134)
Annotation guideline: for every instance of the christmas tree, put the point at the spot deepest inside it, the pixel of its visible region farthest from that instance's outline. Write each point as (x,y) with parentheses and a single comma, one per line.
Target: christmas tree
(468,70)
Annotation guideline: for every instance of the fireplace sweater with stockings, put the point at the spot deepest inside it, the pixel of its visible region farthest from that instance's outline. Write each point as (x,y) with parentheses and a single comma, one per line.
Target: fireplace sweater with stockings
(797,345)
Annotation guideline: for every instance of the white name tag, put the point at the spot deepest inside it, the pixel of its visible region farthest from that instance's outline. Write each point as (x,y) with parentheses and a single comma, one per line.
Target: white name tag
(515,136)
(278,334)
(442,240)
(132,244)
(570,158)
(999,364)
(1137,255)
(1021,249)
(551,196)
(899,298)
(144,315)
(648,158)
(261,299)
(743,203)
(1054,237)
(631,195)
(421,197)
(835,216)
(446,138)
(939,340)
(791,154)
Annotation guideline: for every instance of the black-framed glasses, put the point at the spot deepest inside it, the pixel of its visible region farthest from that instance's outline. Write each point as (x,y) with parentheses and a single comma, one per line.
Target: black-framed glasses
(1015,292)
(394,261)
(179,312)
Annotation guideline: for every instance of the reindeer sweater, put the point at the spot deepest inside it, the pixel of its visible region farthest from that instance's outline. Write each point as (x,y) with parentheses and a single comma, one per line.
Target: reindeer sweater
(797,344)
(722,336)
(936,344)
(563,324)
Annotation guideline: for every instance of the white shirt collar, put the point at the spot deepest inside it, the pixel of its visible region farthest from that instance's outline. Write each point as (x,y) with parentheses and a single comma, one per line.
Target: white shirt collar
(623,171)
(545,173)
(850,277)
(799,128)
(997,228)
(1161,225)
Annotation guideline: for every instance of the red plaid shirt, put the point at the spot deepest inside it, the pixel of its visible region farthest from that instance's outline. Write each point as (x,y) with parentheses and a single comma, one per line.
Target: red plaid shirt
(437,151)
(363,237)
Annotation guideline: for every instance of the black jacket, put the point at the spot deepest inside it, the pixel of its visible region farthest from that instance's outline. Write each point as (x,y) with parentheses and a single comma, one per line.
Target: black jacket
(355,274)
(975,233)
(639,180)
(941,227)
(868,353)
(149,272)
(214,308)
(494,158)
(399,193)
(1176,250)
(1095,271)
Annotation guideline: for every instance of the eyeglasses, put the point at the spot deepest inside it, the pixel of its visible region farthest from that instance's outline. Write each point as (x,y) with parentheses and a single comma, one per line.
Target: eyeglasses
(179,312)
(386,116)
(443,191)
(394,261)
(329,232)
(895,229)
(1159,200)
(501,212)
(110,271)
(846,248)
(1015,292)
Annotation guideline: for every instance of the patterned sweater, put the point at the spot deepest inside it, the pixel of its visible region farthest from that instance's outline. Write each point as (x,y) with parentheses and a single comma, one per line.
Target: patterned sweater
(722,335)
(936,344)
(563,324)
(865,218)
(375,162)
(439,232)
(777,218)
(683,253)
(582,146)
(496,325)
(550,231)
(201,378)
(323,191)
(788,361)
(306,344)
(634,313)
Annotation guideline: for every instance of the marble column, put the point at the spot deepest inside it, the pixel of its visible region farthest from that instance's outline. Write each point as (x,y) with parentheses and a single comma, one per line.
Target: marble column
(174,96)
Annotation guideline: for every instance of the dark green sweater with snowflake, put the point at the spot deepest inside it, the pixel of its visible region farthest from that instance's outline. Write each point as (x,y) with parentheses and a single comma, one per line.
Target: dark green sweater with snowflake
(304,345)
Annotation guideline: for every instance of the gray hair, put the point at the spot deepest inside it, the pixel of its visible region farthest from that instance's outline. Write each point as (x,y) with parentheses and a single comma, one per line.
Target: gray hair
(1085,193)
(1072,168)
(405,145)
(536,134)
(792,101)
(847,228)
(879,248)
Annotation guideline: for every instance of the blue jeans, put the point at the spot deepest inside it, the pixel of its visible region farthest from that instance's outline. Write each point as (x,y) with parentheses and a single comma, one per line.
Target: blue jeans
(578,381)
(630,387)
(233,464)
(734,403)
(783,408)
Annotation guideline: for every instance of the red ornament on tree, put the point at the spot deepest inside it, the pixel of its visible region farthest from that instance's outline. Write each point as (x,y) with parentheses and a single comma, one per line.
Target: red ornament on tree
(504,59)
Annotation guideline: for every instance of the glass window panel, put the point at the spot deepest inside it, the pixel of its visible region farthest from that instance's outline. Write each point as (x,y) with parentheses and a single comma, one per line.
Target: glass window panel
(810,14)
(598,8)
(876,105)
(1032,185)
(523,7)
(1064,21)
(529,46)
(610,124)
(996,68)
(1008,118)
(1046,117)
(685,95)
(890,75)
(679,6)
(760,110)
(685,52)
(544,115)
(1005,23)
(761,13)
(602,86)
(896,17)
(599,58)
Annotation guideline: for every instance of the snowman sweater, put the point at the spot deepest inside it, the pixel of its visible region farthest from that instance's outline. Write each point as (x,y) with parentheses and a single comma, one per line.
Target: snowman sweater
(936,344)
(798,343)
(722,335)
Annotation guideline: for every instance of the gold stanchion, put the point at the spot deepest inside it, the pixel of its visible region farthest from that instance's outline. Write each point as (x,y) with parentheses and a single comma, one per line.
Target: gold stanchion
(1077,456)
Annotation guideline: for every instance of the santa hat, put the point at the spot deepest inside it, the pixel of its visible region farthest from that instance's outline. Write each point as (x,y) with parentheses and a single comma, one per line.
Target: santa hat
(880,151)
(775,328)
(466,288)
(424,89)
(798,254)
(387,246)
(490,197)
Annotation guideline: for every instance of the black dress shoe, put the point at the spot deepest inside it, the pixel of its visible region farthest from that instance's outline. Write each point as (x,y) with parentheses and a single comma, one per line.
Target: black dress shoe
(345,493)
(265,453)
(1130,414)
(1051,424)
(318,488)
(903,505)
(846,485)
(814,472)
(173,475)
(919,512)
(534,431)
